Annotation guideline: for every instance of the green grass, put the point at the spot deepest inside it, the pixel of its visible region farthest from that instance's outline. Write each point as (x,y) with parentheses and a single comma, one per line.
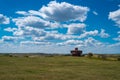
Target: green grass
(58,68)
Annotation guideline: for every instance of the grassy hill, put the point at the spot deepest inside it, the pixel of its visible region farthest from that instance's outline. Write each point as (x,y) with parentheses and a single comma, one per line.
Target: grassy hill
(58,68)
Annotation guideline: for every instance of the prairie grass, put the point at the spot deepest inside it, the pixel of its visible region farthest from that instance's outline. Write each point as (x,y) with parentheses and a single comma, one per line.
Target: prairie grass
(58,68)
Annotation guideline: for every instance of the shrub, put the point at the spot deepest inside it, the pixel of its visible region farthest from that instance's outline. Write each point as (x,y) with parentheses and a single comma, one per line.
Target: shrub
(26,56)
(118,58)
(90,55)
(10,55)
(83,55)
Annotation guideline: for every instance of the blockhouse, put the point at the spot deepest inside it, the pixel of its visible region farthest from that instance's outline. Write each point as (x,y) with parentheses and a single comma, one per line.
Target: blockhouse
(76,52)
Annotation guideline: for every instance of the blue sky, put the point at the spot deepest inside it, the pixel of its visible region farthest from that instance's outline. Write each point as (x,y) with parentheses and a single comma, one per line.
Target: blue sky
(57,26)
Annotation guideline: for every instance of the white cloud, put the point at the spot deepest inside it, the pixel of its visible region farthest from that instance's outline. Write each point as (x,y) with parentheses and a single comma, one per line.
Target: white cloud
(30,21)
(91,42)
(116,45)
(49,37)
(18,32)
(114,48)
(29,31)
(10,38)
(26,48)
(53,37)
(35,22)
(9,29)
(71,42)
(103,34)
(76,28)
(30,13)
(34,43)
(117,38)
(22,13)
(89,33)
(115,16)
(64,11)
(4,19)
(95,13)
(88,44)
(37,13)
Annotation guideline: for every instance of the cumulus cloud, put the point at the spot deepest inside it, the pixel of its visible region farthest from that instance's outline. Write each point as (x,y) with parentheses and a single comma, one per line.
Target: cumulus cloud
(117,38)
(10,38)
(116,45)
(76,28)
(35,22)
(4,19)
(37,13)
(55,36)
(30,13)
(115,16)
(48,15)
(29,31)
(103,34)
(64,11)
(49,37)
(34,43)
(89,42)
(71,42)
(22,13)
(89,33)
(9,29)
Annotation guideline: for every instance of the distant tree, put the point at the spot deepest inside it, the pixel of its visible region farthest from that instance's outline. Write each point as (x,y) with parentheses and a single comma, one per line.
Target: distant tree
(118,58)
(6,54)
(26,56)
(10,55)
(90,55)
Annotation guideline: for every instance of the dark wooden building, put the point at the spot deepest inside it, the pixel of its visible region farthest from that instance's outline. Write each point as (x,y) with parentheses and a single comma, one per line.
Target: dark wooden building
(76,52)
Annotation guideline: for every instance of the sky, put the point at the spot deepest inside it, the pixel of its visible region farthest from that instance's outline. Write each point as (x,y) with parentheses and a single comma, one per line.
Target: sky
(58,26)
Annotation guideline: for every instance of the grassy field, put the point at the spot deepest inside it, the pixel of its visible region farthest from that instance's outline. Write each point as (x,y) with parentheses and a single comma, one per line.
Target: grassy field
(58,68)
